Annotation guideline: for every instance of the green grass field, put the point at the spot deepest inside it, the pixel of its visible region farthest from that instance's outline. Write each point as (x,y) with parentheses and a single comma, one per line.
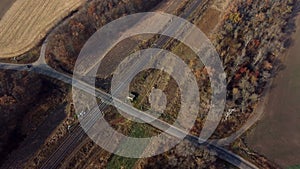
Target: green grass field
(294,167)
(138,131)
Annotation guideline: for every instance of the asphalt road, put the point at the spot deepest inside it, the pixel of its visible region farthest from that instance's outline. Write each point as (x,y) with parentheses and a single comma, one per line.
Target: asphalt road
(73,139)
(78,133)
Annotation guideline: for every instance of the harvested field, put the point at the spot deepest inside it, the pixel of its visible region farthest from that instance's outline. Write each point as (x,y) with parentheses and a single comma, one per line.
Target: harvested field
(27,22)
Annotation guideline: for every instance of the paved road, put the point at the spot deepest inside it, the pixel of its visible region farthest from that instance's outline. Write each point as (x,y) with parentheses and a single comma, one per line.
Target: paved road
(74,138)
(78,133)
(161,125)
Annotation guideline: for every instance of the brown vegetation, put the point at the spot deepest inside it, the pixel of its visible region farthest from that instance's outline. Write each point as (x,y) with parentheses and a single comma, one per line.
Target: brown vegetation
(184,154)
(65,44)
(25,99)
(250,42)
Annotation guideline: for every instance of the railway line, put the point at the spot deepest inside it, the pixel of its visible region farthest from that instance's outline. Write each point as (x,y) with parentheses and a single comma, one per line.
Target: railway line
(73,139)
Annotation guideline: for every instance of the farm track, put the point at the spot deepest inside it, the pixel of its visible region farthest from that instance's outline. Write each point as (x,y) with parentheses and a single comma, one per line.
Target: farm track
(26,23)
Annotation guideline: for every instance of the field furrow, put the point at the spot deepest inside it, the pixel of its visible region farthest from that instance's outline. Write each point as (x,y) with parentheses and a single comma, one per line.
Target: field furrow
(28,21)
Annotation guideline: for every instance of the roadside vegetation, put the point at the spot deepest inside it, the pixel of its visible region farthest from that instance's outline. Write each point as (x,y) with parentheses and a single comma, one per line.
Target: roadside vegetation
(250,41)
(65,44)
(22,109)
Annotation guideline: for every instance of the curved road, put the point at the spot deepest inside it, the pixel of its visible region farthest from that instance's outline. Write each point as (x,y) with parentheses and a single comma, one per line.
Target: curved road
(41,67)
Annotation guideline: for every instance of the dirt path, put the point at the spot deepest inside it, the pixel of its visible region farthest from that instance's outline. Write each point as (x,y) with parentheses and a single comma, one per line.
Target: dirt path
(28,21)
(277,134)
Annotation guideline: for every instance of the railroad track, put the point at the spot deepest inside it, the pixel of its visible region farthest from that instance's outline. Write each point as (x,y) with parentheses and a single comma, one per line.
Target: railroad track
(73,139)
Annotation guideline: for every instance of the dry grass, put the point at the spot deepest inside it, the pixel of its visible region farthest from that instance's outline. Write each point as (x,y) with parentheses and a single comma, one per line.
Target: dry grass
(28,21)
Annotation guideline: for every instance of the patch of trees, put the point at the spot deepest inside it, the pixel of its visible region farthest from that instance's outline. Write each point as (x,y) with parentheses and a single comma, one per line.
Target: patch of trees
(184,155)
(250,43)
(18,91)
(25,98)
(65,44)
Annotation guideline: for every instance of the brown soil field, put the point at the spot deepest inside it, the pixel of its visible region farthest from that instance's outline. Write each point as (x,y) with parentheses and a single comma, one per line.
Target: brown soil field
(277,134)
(27,22)
(4,6)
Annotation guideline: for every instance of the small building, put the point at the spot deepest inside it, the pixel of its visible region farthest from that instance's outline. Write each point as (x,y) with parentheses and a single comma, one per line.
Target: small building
(132,96)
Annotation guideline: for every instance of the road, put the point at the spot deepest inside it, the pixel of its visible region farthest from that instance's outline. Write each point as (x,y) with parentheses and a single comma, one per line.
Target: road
(74,138)
(78,133)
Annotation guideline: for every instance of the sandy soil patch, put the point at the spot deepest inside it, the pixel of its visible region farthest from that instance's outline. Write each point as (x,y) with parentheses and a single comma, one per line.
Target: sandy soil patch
(28,21)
